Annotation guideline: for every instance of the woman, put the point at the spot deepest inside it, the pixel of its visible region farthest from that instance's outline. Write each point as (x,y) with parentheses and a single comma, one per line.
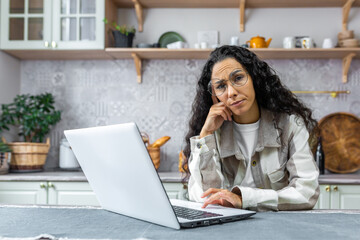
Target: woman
(248,136)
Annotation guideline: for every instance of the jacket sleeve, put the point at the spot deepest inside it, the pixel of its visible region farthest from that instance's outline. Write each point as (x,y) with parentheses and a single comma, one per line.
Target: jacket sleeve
(204,166)
(302,191)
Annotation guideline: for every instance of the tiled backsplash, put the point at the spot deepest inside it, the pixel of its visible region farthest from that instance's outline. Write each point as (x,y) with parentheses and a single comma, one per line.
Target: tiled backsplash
(93,93)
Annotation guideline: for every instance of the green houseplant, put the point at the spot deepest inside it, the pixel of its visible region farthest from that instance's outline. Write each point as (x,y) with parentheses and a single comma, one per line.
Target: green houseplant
(123,35)
(33,115)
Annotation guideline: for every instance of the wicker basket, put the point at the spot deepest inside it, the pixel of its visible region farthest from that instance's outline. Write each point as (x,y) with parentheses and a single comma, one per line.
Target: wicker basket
(28,157)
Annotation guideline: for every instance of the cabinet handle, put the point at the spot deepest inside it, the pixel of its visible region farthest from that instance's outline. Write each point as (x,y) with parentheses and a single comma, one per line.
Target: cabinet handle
(53,44)
(336,188)
(42,185)
(327,188)
(51,185)
(46,44)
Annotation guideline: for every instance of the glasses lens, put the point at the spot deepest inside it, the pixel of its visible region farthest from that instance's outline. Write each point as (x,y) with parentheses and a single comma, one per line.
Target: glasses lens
(217,89)
(239,78)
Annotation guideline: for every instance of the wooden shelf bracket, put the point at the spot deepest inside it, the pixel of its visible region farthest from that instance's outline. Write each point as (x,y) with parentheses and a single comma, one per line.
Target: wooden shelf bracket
(242,15)
(346,65)
(137,61)
(139,14)
(345,13)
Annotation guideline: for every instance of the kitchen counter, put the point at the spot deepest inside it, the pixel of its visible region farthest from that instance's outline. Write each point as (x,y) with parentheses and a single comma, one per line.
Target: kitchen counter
(73,176)
(78,176)
(96,223)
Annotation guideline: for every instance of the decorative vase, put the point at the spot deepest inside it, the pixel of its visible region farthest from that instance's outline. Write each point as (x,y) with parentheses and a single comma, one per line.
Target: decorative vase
(122,40)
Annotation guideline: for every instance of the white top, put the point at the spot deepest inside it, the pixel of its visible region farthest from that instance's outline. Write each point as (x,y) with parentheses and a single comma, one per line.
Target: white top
(246,136)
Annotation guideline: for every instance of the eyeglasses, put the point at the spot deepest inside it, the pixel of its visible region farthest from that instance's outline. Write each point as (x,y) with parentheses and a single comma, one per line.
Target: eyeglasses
(217,87)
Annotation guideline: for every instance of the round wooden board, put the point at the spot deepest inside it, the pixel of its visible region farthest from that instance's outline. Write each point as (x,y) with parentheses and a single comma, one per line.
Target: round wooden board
(340,133)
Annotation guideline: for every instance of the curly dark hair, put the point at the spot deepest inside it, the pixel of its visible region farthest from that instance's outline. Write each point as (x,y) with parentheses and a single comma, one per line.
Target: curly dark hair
(270,93)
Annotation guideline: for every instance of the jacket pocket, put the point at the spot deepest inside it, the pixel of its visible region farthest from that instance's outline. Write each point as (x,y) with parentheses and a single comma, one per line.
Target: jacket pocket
(278,174)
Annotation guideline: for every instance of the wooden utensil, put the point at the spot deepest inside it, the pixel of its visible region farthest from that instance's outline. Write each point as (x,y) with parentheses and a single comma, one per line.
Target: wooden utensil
(159,142)
(340,134)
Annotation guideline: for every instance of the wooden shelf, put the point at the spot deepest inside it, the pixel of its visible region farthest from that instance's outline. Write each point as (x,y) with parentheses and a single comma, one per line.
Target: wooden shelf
(159,53)
(264,53)
(59,54)
(233,3)
(137,54)
(139,5)
(346,54)
(188,53)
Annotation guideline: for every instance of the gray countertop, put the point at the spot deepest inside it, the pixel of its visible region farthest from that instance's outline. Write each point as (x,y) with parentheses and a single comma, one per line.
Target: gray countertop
(96,223)
(78,176)
(73,176)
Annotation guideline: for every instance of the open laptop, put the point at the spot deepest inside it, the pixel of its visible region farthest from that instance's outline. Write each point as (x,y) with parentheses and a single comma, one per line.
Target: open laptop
(119,169)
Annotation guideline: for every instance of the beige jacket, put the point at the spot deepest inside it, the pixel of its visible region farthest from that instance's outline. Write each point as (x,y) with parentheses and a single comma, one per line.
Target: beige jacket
(286,175)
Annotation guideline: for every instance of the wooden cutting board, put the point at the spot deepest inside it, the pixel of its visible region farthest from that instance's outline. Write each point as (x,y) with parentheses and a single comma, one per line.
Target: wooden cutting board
(340,133)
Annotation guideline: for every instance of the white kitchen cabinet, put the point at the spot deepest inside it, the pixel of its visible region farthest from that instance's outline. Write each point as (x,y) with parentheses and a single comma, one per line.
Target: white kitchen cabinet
(61,193)
(71,193)
(55,24)
(23,193)
(55,193)
(175,190)
(339,197)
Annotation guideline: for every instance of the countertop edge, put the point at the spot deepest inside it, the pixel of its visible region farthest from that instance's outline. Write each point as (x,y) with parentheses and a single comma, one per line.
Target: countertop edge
(166,177)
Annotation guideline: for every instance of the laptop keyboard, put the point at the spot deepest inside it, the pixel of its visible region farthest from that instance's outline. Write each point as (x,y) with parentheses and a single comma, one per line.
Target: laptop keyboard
(192,214)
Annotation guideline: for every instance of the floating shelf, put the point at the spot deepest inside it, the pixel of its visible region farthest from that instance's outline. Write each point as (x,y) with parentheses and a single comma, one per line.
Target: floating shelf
(188,53)
(233,3)
(264,53)
(241,4)
(346,54)
(59,54)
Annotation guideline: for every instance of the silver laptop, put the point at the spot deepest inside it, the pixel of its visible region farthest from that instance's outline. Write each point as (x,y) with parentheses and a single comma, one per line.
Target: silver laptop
(119,169)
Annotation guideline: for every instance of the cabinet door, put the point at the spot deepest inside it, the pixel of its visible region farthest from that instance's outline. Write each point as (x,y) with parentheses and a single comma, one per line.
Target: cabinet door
(78,24)
(173,190)
(71,193)
(324,197)
(345,197)
(23,193)
(25,24)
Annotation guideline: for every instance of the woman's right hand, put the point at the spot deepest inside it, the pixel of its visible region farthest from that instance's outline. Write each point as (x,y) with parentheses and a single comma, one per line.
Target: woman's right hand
(217,115)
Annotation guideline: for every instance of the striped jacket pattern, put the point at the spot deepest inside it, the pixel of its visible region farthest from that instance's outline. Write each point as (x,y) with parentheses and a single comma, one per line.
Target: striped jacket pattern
(285,175)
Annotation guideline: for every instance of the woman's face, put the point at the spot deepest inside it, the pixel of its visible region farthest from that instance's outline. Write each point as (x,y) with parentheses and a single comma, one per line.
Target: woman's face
(238,95)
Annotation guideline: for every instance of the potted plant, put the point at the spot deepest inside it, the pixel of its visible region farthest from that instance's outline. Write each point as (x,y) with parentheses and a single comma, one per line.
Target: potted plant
(5,153)
(33,115)
(123,35)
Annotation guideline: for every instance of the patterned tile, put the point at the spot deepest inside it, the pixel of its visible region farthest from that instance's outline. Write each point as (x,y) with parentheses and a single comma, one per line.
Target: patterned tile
(94,93)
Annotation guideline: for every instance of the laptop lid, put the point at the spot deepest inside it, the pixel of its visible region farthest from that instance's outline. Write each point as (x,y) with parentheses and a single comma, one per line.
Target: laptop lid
(112,159)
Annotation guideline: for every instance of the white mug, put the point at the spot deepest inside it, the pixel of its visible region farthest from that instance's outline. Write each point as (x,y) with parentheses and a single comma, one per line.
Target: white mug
(328,43)
(234,40)
(307,42)
(196,45)
(289,42)
(204,45)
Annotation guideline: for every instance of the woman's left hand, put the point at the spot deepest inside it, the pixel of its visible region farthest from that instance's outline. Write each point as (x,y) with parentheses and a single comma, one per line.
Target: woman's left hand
(222,197)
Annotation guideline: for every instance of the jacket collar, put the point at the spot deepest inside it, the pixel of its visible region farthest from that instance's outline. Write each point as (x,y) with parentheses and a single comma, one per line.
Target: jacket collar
(267,137)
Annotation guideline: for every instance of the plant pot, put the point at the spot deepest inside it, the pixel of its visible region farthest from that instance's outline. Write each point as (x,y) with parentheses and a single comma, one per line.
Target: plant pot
(28,157)
(123,41)
(4,162)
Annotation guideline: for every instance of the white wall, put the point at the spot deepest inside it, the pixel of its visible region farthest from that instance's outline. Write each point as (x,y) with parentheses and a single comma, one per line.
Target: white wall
(9,86)
(9,77)
(277,23)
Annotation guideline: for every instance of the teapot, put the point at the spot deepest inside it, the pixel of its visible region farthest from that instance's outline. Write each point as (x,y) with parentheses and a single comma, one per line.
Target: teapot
(259,42)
